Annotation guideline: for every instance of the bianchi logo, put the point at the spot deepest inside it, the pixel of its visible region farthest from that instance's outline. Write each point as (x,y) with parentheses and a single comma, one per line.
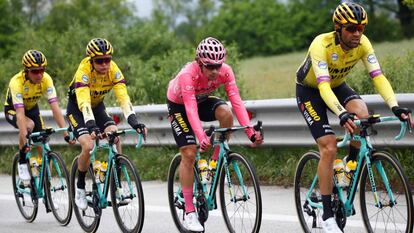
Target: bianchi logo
(49,90)
(372,59)
(334,56)
(117,75)
(18,96)
(323,65)
(85,78)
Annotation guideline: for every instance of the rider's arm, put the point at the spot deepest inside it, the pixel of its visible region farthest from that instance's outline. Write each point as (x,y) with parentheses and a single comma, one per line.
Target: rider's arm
(50,92)
(83,95)
(330,98)
(121,93)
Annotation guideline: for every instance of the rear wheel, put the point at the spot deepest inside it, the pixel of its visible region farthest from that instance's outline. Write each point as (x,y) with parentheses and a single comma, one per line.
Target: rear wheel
(240,197)
(23,194)
(127,199)
(57,188)
(88,219)
(390,216)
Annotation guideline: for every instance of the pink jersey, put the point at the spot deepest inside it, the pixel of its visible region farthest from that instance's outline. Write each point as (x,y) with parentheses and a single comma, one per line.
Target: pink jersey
(190,85)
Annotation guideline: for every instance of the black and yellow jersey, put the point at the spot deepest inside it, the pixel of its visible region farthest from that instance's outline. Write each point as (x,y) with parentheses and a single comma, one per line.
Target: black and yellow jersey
(89,88)
(327,65)
(23,93)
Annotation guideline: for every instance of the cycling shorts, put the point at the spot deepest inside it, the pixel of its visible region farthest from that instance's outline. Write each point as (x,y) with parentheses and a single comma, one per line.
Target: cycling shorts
(77,122)
(313,108)
(180,125)
(33,114)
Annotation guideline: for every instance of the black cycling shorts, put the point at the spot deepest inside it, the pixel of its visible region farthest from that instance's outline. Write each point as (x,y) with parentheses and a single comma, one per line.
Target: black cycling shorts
(182,131)
(313,108)
(77,122)
(33,114)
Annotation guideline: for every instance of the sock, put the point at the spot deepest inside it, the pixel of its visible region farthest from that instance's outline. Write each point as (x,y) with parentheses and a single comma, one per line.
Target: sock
(81,180)
(327,207)
(188,199)
(353,153)
(216,152)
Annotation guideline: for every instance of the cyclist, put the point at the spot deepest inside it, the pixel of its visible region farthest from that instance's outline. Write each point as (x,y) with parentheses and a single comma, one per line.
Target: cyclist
(21,109)
(321,85)
(96,75)
(189,101)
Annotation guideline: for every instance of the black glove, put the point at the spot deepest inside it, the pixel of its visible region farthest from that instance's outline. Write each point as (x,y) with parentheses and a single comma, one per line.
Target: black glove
(398,111)
(344,117)
(133,122)
(91,125)
(67,138)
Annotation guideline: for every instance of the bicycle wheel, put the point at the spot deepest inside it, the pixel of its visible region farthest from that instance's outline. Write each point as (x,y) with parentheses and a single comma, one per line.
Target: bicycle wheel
(175,195)
(390,216)
(240,197)
(127,201)
(57,188)
(88,219)
(310,218)
(23,194)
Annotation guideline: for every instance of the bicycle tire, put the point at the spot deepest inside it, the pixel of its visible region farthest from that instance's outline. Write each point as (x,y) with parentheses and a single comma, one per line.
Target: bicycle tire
(236,222)
(310,218)
(128,222)
(88,220)
(27,206)
(177,207)
(394,173)
(56,183)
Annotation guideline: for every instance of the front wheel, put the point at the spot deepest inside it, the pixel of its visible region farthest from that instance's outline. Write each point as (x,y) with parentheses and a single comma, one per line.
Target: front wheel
(391,210)
(57,188)
(307,193)
(240,197)
(23,194)
(88,219)
(127,197)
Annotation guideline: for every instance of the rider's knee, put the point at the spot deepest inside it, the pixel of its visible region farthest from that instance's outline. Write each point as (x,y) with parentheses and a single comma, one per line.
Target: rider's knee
(188,154)
(224,114)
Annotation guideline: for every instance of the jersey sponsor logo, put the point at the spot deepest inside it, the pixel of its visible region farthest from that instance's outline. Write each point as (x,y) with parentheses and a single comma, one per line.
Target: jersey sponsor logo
(19,96)
(372,59)
(323,65)
(95,94)
(336,73)
(85,78)
(118,75)
(189,88)
(26,89)
(73,121)
(181,122)
(338,106)
(49,90)
(334,56)
(311,113)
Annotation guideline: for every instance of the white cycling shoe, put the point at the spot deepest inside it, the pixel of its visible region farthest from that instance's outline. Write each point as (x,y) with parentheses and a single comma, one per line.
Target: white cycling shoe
(24,174)
(330,226)
(191,222)
(80,199)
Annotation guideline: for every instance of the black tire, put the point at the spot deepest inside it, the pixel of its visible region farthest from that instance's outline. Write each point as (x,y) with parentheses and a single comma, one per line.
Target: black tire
(252,203)
(88,219)
(129,219)
(23,195)
(175,198)
(56,178)
(309,217)
(391,218)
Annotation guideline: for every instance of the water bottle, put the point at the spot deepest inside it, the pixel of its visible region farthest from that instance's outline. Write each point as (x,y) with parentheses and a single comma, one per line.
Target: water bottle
(339,172)
(102,173)
(202,166)
(350,168)
(212,165)
(34,167)
(97,170)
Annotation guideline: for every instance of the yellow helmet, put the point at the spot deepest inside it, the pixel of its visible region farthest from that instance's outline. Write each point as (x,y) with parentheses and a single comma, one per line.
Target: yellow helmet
(98,47)
(34,58)
(350,13)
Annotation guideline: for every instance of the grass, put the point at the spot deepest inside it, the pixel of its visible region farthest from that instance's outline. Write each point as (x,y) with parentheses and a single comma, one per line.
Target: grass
(274,77)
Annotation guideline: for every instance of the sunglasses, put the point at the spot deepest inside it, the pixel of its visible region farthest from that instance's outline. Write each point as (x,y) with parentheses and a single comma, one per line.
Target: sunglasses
(101,61)
(355,27)
(37,71)
(213,66)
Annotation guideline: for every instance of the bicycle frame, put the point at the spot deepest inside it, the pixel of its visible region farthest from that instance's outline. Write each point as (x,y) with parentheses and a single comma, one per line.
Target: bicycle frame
(38,180)
(363,156)
(102,189)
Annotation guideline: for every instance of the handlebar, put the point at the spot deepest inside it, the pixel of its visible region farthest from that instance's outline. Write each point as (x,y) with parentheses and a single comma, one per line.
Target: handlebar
(44,134)
(371,120)
(223,131)
(111,136)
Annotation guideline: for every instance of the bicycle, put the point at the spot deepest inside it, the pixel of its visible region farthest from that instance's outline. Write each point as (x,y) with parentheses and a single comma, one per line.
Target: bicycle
(239,188)
(51,183)
(123,182)
(385,195)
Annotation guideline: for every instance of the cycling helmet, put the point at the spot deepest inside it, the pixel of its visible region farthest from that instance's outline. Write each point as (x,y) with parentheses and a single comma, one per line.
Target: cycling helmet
(34,58)
(211,51)
(99,46)
(350,13)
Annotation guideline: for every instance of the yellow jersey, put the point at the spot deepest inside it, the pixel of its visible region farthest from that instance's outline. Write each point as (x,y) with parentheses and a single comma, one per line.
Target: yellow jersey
(22,93)
(327,65)
(89,88)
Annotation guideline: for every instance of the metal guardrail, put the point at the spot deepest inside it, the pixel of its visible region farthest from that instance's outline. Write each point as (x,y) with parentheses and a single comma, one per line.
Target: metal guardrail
(282,122)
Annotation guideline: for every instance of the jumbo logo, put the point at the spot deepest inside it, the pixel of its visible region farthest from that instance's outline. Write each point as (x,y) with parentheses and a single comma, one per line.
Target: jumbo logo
(181,122)
(311,111)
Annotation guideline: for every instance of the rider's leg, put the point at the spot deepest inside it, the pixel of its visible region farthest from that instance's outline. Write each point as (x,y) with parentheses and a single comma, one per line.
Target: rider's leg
(86,143)
(327,149)
(188,154)
(358,107)
(224,115)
